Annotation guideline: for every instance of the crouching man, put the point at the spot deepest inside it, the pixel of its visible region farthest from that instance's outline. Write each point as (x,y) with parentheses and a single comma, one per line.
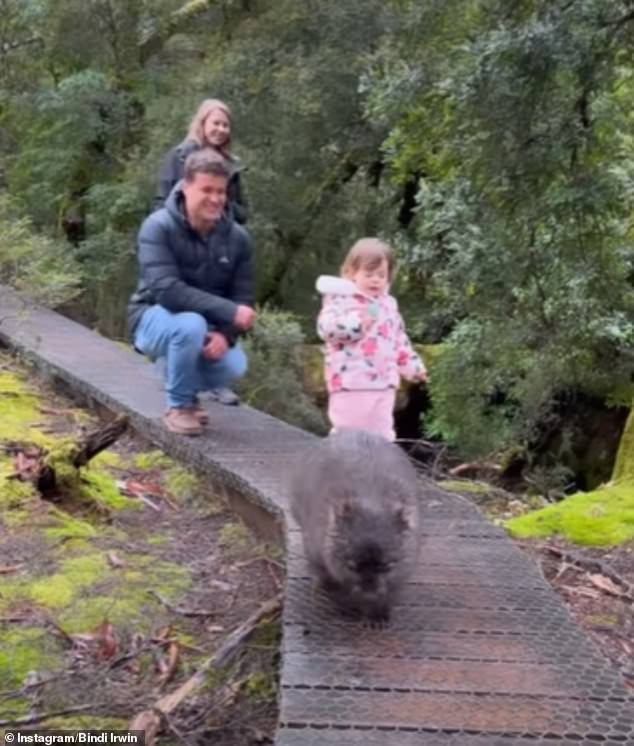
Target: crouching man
(195,291)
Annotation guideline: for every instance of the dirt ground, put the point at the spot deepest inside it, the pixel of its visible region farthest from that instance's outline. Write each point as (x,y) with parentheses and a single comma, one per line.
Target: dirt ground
(597,586)
(107,605)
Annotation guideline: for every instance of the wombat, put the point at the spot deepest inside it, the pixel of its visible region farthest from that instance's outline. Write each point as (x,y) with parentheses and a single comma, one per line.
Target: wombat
(356,499)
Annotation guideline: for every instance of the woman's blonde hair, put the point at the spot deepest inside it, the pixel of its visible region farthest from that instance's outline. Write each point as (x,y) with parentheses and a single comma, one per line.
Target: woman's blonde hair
(368,253)
(196,128)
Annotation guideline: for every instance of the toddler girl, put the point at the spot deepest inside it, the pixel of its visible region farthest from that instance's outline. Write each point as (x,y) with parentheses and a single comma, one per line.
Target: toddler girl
(367,349)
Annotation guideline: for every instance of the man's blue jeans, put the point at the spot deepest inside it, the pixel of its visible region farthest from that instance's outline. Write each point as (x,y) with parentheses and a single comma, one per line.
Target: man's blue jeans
(179,338)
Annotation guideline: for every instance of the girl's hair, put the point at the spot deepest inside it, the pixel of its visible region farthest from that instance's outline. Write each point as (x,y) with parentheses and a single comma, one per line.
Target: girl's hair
(195,132)
(368,253)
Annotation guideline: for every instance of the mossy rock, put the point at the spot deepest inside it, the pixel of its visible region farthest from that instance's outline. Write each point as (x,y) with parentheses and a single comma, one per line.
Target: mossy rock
(624,464)
(603,517)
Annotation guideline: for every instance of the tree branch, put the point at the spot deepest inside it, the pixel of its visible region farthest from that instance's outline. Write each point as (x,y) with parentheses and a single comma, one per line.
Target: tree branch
(179,18)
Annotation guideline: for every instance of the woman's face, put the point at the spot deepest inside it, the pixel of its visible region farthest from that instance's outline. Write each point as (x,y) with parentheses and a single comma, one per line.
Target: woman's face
(217,128)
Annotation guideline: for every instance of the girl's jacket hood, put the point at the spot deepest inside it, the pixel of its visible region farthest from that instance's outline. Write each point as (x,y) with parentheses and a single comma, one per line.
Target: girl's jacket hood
(332,285)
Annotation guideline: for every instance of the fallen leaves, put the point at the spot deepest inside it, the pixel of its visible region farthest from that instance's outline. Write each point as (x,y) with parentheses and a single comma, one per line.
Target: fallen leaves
(101,644)
(168,663)
(115,561)
(605,584)
(146,491)
(8,569)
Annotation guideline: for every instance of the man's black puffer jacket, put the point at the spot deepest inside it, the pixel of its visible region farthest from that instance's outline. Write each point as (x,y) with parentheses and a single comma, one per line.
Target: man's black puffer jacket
(184,271)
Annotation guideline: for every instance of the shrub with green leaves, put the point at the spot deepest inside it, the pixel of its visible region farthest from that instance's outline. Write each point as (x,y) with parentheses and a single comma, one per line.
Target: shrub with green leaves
(42,268)
(274,380)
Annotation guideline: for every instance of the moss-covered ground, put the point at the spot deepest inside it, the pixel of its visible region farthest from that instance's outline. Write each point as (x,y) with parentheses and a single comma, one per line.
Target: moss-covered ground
(603,517)
(132,560)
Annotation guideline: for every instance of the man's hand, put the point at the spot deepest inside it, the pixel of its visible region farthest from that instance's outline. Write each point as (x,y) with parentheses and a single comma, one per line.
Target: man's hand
(244,318)
(216,346)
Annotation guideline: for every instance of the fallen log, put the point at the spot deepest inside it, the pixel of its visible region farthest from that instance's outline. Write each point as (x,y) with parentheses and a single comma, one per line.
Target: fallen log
(151,720)
(43,468)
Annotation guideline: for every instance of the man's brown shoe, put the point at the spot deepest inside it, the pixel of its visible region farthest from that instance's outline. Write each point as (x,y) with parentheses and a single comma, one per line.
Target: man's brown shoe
(182,421)
(200,414)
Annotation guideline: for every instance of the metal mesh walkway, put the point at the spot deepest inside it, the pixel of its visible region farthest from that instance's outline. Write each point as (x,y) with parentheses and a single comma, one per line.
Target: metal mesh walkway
(480,652)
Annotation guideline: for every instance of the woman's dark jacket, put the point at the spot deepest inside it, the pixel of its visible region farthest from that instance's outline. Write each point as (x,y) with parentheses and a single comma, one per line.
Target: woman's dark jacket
(184,271)
(172,173)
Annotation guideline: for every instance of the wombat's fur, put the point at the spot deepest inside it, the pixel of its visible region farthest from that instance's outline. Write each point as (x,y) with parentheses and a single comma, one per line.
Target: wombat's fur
(355,497)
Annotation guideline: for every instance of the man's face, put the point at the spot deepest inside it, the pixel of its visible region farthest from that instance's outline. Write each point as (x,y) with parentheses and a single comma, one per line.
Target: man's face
(205,199)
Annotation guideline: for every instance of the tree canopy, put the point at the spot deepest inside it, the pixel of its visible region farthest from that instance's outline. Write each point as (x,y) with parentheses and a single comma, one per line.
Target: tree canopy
(490,142)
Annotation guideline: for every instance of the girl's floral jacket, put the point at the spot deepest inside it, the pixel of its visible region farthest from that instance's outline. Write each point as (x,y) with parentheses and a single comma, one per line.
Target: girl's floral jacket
(366,343)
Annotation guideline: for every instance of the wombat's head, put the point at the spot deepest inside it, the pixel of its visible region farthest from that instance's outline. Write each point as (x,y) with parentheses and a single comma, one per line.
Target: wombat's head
(365,550)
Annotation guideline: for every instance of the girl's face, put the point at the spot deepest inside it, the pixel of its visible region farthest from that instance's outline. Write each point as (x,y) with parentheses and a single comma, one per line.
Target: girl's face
(217,128)
(373,282)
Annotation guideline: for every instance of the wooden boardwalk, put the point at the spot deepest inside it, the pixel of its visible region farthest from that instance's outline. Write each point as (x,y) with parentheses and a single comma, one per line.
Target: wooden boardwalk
(481,652)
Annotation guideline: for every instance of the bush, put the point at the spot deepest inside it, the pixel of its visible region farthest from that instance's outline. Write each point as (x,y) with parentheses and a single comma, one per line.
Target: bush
(274,380)
(39,266)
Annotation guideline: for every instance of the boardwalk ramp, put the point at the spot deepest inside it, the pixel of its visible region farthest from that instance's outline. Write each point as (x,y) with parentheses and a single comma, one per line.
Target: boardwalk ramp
(480,652)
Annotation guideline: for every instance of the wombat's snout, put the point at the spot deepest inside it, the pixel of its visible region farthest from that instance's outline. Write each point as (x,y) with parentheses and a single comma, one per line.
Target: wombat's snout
(374,586)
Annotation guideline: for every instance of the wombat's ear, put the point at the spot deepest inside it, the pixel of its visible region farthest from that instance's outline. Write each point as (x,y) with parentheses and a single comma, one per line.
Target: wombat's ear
(405,519)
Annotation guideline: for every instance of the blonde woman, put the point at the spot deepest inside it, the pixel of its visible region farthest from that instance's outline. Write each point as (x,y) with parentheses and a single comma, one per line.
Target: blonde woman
(210,128)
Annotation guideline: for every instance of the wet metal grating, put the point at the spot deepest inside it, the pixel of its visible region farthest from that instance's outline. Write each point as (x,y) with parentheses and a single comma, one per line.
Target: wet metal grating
(480,652)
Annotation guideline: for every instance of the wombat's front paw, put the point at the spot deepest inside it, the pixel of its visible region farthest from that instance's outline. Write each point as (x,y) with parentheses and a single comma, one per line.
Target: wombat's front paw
(378,618)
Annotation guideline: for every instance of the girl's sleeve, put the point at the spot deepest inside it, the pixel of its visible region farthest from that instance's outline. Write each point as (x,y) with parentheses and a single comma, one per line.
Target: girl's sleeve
(339,319)
(409,362)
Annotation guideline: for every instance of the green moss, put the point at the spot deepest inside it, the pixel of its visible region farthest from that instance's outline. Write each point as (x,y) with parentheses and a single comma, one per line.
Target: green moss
(13,493)
(86,590)
(121,609)
(99,488)
(107,459)
(153,460)
(23,650)
(261,687)
(76,574)
(157,539)
(69,527)
(604,517)
(53,593)
(20,411)
(167,579)
(267,635)
(12,518)
(19,407)
(624,463)
(123,598)
(181,483)
(454,485)
(60,460)
(234,537)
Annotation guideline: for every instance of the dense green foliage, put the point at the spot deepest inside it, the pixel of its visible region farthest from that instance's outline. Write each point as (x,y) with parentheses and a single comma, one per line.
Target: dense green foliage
(274,380)
(491,142)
